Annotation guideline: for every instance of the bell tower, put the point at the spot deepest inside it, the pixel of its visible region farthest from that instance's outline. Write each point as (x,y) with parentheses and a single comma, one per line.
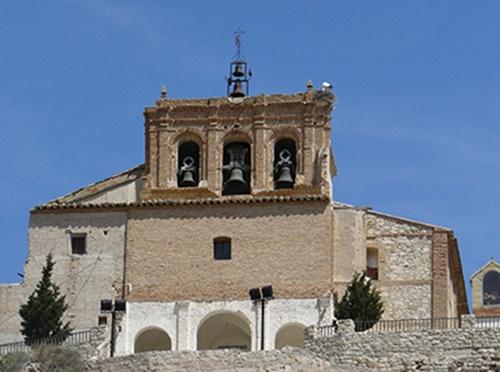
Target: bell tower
(238,80)
(239,146)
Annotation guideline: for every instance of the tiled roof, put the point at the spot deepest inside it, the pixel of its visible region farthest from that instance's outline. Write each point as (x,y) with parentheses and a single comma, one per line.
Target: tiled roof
(177,202)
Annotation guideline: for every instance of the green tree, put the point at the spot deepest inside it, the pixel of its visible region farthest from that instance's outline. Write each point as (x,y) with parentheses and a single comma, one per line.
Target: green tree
(42,314)
(361,302)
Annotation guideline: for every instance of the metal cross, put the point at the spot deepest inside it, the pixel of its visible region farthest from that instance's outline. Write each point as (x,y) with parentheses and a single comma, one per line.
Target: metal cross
(237,41)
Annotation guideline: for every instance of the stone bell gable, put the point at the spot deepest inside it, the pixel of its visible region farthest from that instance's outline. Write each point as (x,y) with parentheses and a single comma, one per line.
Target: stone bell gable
(486,289)
(203,129)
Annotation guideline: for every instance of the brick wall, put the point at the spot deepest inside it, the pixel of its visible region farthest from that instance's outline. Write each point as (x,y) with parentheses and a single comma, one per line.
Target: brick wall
(288,245)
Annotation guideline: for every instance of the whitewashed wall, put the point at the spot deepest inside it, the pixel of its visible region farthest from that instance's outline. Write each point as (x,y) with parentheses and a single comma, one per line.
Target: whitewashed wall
(181,320)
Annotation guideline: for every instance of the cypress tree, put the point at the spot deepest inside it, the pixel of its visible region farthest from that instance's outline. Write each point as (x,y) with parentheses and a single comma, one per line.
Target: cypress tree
(361,302)
(42,314)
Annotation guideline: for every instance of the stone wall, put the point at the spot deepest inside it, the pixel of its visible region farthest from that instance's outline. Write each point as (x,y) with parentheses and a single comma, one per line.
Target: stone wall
(11,298)
(182,320)
(288,245)
(220,360)
(404,258)
(84,279)
(390,351)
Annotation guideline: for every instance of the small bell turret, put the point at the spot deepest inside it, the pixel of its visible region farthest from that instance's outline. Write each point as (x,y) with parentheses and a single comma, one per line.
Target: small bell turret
(239,73)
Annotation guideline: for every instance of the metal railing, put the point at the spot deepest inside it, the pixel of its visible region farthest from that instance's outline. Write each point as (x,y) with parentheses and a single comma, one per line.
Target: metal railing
(488,322)
(407,325)
(326,331)
(75,338)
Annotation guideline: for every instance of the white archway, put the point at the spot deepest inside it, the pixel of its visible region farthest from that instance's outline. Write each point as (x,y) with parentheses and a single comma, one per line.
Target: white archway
(152,339)
(291,334)
(224,330)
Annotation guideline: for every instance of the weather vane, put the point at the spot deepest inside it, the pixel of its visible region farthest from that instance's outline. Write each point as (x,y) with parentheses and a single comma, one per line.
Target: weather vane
(237,42)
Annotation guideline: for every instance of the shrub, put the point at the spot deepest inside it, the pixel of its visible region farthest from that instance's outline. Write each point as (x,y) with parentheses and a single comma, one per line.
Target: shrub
(361,302)
(58,359)
(13,362)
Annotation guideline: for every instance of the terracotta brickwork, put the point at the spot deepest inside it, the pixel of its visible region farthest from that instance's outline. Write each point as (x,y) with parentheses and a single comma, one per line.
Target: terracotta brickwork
(151,241)
(170,251)
(259,121)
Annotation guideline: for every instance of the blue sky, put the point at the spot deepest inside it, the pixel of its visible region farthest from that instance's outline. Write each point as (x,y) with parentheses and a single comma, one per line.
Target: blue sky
(415,129)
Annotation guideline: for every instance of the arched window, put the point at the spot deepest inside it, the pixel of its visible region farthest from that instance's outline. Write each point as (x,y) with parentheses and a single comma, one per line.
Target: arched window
(491,288)
(285,163)
(236,169)
(188,164)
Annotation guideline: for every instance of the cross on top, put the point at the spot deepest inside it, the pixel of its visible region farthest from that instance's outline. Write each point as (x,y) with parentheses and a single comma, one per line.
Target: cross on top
(237,42)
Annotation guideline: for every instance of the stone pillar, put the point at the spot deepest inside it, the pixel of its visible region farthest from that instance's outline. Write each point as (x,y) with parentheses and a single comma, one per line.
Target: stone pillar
(185,340)
(467,321)
(310,334)
(260,167)
(214,160)
(325,311)
(346,326)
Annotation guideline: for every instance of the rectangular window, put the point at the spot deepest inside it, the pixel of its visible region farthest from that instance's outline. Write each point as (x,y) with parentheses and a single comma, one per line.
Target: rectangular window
(372,263)
(103,320)
(222,249)
(79,244)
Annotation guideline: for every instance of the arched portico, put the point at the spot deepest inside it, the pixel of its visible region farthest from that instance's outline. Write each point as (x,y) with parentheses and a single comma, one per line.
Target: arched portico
(291,334)
(224,330)
(152,339)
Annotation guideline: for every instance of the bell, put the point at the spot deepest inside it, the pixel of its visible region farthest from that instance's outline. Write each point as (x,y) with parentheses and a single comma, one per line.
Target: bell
(236,177)
(238,70)
(188,179)
(285,180)
(238,89)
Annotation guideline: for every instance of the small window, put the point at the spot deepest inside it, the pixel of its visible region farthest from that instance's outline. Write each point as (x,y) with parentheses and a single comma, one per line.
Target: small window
(222,249)
(372,263)
(79,244)
(103,320)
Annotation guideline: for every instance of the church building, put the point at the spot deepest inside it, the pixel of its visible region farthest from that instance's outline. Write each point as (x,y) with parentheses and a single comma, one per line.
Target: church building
(235,194)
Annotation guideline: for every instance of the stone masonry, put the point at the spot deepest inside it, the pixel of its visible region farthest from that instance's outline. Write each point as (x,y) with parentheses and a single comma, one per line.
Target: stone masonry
(430,350)
(152,242)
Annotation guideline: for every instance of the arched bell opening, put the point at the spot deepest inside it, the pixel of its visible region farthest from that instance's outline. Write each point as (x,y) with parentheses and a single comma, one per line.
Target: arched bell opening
(152,339)
(236,169)
(285,163)
(224,331)
(290,335)
(491,288)
(188,164)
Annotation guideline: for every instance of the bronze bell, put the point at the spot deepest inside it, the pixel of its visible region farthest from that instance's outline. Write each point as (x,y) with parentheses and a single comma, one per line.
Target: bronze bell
(238,89)
(238,70)
(187,172)
(236,177)
(285,179)
(188,179)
